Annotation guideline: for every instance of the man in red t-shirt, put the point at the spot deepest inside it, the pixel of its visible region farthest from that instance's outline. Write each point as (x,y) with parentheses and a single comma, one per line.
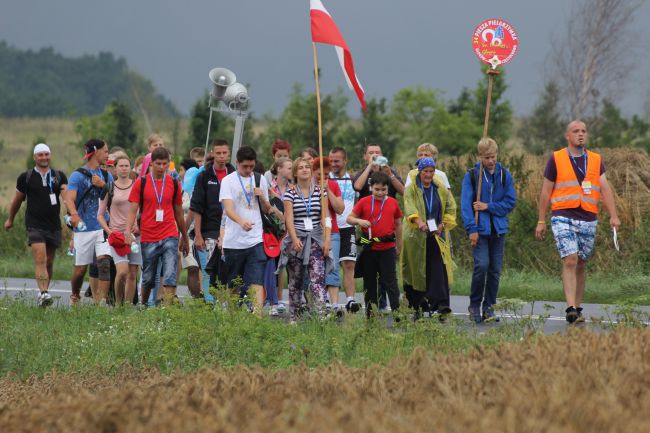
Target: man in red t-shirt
(161,219)
(380,219)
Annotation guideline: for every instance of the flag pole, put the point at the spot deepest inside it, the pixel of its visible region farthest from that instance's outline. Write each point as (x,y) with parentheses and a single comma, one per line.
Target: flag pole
(323,199)
(479,184)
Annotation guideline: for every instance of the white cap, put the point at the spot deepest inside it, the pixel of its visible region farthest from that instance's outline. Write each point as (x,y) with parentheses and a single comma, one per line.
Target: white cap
(41,147)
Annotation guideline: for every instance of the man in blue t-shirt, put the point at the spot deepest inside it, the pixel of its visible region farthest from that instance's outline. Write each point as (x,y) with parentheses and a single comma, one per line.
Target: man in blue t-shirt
(82,200)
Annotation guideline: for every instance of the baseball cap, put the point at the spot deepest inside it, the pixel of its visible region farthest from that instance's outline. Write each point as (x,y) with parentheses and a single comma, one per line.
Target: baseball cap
(91,146)
(41,147)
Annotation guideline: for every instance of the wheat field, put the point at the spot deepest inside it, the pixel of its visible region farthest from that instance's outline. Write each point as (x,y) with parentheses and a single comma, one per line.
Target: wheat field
(579,382)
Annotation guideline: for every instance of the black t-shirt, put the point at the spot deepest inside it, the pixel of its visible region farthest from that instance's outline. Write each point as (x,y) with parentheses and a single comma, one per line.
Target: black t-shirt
(41,213)
(365,191)
(205,200)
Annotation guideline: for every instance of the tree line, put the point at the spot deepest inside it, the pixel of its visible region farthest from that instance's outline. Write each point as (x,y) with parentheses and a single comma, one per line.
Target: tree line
(45,83)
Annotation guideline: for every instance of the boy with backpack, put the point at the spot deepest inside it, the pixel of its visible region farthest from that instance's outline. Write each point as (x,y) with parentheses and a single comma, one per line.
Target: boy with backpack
(82,200)
(159,198)
(496,200)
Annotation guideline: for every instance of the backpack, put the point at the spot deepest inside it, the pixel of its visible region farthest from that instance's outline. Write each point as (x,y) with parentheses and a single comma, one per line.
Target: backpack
(269,224)
(472,173)
(89,175)
(28,176)
(143,181)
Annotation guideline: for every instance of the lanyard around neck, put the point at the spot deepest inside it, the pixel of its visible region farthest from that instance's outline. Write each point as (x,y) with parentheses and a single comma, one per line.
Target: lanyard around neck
(248,195)
(584,153)
(372,210)
(155,189)
(307,204)
(428,203)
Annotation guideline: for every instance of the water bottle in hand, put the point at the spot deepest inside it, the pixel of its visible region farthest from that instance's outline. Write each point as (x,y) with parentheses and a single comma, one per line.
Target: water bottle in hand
(135,247)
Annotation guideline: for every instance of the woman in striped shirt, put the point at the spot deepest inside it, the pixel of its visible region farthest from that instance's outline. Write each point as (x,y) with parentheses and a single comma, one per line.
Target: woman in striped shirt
(308,243)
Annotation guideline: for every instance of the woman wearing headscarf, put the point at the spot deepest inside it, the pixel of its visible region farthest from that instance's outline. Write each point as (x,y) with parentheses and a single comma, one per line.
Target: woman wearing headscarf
(429,210)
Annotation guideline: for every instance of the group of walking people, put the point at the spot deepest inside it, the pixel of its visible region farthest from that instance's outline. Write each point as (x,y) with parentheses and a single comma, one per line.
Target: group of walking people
(306,224)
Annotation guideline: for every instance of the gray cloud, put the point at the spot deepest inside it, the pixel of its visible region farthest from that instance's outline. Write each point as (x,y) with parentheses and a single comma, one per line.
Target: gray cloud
(267,43)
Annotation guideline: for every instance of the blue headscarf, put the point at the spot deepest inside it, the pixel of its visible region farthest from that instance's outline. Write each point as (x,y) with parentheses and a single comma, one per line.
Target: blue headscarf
(426,162)
(190,179)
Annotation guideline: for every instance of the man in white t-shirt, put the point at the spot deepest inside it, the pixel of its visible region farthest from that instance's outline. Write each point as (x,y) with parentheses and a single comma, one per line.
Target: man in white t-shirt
(242,193)
(348,248)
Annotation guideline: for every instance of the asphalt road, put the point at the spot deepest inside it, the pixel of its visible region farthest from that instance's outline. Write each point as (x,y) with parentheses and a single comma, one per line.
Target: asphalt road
(596,314)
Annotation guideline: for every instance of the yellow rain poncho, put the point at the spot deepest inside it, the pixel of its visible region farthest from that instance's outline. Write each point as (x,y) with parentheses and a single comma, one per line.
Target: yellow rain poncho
(413,257)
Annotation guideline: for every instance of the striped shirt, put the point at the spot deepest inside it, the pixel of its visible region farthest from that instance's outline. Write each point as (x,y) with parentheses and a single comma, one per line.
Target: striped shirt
(300,205)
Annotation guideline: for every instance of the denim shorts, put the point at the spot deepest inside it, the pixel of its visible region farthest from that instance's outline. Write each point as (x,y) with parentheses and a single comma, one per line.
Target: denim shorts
(166,251)
(574,236)
(333,278)
(247,263)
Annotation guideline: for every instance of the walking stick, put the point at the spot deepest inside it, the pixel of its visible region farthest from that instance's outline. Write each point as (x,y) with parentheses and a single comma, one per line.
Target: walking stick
(479,184)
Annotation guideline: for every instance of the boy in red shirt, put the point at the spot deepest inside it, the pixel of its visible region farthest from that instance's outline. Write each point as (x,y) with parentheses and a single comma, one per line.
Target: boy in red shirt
(161,219)
(380,219)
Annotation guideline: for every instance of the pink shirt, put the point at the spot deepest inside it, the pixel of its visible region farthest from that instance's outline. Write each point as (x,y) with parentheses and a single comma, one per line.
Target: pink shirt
(120,208)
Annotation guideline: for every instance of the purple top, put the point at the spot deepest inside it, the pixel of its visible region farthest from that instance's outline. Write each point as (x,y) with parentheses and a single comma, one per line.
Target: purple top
(550,173)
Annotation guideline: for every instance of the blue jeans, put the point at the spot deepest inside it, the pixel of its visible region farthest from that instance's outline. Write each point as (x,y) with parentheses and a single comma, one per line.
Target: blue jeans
(154,291)
(164,251)
(334,278)
(488,260)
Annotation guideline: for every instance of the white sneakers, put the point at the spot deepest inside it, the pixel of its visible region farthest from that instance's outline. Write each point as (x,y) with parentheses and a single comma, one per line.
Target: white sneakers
(45,299)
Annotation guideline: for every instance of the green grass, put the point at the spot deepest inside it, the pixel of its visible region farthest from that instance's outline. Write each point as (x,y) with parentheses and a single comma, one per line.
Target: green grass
(601,288)
(101,340)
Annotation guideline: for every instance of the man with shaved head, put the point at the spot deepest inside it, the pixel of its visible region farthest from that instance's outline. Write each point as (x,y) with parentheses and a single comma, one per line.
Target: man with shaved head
(574,183)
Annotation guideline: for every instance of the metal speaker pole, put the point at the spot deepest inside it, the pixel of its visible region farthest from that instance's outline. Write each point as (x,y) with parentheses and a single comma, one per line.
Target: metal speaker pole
(239,133)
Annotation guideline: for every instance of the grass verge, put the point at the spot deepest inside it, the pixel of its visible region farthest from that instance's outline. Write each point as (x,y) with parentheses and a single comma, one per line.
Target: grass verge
(89,339)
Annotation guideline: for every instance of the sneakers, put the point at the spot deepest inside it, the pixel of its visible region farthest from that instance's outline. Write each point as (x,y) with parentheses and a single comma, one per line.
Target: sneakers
(45,299)
(281,308)
(489,316)
(475,314)
(443,314)
(571,314)
(580,318)
(352,306)
(274,311)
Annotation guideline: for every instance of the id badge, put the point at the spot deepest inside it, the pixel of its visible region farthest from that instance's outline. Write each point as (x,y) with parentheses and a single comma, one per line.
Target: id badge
(586,187)
(309,225)
(431,223)
(53,199)
(159,215)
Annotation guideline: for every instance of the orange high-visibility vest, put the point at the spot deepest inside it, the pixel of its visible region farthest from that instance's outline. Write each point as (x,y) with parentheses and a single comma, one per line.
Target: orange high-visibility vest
(567,192)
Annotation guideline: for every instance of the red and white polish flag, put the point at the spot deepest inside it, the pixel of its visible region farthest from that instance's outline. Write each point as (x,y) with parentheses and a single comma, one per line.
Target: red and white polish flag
(325,31)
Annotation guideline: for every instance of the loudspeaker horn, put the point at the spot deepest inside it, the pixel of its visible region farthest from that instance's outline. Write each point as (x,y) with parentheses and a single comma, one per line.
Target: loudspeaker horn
(222,78)
(236,97)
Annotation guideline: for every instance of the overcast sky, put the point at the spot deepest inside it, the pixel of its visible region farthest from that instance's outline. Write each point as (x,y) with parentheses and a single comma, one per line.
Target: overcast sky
(395,44)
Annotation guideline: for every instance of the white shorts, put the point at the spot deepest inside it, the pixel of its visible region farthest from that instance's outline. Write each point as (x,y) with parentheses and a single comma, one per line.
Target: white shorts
(189,261)
(131,258)
(88,245)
